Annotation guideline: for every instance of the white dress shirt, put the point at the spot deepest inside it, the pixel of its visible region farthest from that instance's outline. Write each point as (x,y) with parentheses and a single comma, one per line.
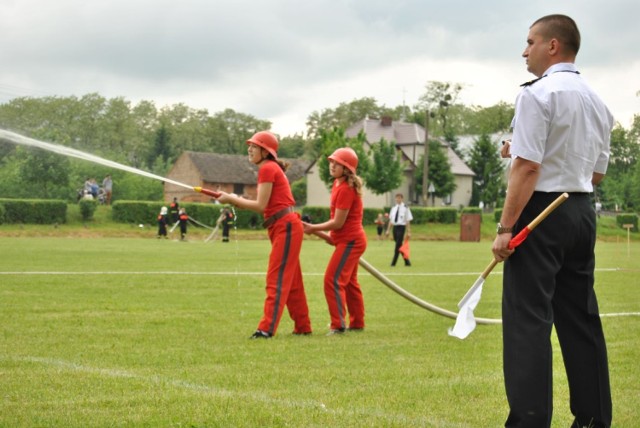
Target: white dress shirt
(404,215)
(564,126)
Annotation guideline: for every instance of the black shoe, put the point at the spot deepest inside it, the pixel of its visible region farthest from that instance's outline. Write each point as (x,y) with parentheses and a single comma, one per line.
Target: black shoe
(335,331)
(259,334)
(407,263)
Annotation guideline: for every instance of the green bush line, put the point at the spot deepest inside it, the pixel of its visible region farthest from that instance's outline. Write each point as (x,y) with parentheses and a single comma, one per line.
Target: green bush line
(36,211)
(32,211)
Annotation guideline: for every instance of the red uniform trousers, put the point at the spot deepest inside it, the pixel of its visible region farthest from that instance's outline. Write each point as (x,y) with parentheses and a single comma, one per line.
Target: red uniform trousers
(341,287)
(284,277)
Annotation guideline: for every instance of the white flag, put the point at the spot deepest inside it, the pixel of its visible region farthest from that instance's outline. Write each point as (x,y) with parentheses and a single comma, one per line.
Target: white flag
(465,322)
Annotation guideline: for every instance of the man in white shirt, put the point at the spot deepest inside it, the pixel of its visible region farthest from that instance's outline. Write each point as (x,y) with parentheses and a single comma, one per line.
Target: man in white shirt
(400,219)
(560,143)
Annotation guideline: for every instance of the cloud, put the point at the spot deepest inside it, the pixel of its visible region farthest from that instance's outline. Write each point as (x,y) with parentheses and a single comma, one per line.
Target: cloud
(279,59)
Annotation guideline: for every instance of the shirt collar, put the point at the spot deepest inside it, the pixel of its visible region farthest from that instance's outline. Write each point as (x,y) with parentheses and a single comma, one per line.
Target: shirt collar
(561,66)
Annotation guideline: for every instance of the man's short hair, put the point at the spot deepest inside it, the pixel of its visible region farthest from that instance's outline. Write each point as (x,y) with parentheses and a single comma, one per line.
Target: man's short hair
(560,27)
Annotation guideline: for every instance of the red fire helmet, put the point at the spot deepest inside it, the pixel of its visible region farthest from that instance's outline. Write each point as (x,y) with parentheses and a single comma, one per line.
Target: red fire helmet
(266,140)
(346,157)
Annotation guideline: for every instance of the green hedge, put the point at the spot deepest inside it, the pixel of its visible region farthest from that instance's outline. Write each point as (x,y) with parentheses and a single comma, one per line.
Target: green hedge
(141,212)
(421,215)
(2,210)
(34,211)
(628,218)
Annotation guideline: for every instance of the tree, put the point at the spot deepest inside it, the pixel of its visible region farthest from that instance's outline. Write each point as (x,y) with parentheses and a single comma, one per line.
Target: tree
(161,146)
(441,99)
(485,162)
(43,174)
(345,115)
(292,147)
(440,174)
(385,173)
(487,120)
(616,190)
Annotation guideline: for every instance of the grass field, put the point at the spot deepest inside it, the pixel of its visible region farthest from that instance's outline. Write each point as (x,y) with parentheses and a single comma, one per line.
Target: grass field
(134,331)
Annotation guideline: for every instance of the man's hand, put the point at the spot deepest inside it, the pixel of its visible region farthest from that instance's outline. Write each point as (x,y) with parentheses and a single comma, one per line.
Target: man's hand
(500,249)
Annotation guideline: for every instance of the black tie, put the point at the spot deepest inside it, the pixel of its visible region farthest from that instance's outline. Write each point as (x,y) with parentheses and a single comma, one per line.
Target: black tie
(397,212)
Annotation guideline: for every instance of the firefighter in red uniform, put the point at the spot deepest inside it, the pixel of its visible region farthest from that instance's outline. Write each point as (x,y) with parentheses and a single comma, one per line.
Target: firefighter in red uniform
(341,287)
(275,202)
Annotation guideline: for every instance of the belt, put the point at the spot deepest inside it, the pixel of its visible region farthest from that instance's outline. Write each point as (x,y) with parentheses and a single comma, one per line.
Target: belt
(270,220)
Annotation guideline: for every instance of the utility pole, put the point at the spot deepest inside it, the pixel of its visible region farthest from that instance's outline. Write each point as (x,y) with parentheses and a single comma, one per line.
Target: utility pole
(425,166)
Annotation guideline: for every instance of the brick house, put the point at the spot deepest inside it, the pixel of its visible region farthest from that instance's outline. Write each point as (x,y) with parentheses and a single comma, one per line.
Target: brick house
(229,173)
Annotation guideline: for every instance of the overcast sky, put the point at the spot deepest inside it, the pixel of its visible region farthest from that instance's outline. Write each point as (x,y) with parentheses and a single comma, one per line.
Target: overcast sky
(280,60)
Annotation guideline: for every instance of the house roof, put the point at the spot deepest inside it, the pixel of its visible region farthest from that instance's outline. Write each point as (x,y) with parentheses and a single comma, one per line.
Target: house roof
(403,134)
(222,168)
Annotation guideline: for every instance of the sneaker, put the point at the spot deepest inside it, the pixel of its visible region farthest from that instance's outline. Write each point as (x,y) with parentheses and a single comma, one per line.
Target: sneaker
(259,334)
(335,331)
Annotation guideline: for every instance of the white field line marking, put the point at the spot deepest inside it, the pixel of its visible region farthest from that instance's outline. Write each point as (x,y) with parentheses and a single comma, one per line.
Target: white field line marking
(221,392)
(248,273)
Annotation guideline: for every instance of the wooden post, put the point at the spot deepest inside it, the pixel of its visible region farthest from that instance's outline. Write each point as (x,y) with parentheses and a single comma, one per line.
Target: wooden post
(425,165)
(628,227)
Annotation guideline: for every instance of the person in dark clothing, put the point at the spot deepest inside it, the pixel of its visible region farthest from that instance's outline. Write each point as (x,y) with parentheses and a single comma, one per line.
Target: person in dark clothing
(183,218)
(162,223)
(227,222)
(174,210)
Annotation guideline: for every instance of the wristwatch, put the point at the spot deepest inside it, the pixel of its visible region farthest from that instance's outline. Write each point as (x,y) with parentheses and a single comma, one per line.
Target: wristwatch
(502,229)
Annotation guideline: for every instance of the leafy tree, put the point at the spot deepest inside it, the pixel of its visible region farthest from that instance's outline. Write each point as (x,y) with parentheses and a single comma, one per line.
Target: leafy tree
(162,145)
(345,115)
(485,162)
(43,174)
(385,173)
(617,189)
(487,120)
(441,99)
(440,174)
(292,147)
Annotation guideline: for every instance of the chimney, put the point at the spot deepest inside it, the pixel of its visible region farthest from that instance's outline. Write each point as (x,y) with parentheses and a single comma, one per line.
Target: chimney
(386,121)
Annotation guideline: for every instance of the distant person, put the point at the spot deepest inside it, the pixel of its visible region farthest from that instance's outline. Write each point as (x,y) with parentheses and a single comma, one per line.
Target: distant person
(227,222)
(162,223)
(107,185)
(183,218)
(87,186)
(285,285)
(560,143)
(400,220)
(174,210)
(341,287)
(380,224)
(94,188)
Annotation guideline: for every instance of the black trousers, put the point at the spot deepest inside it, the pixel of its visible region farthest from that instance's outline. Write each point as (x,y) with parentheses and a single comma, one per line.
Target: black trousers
(398,237)
(548,282)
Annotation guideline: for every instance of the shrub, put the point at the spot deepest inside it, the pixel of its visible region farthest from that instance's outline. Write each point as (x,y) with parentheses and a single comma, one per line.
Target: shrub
(87,208)
(34,211)
(628,218)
